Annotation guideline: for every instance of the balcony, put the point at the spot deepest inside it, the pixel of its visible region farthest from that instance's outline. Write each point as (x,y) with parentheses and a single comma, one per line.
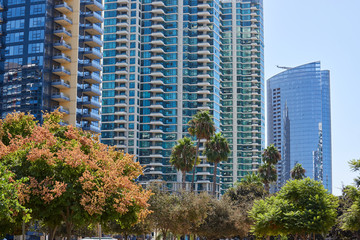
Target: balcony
(203,21)
(203,68)
(93,17)
(156,147)
(93,5)
(156,90)
(203,108)
(158,27)
(122,55)
(89,103)
(204,5)
(157,74)
(157,11)
(157,19)
(157,42)
(203,92)
(61,58)
(204,14)
(63,8)
(92,29)
(156,139)
(63,20)
(122,48)
(156,98)
(157,34)
(122,32)
(62,45)
(157,50)
(203,100)
(121,88)
(204,36)
(156,114)
(122,39)
(156,156)
(91,128)
(60,97)
(203,28)
(123,16)
(203,84)
(91,53)
(61,71)
(90,116)
(157,58)
(62,32)
(90,65)
(91,91)
(204,52)
(204,76)
(203,60)
(157,66)
(92,41)
(123,9)
(158,3)
(156,82)
(156,106)
(121,63)
(60,84)
(92,78)
(203,44)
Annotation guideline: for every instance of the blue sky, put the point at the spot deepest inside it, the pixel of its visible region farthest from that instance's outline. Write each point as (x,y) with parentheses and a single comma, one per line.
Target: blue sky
(302,31)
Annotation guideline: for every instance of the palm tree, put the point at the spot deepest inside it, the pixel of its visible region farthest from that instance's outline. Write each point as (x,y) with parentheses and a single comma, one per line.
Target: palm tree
(216,150)
(298,172)
(252,178)
(183,156)
(201,126)
(271,156)
(268,174)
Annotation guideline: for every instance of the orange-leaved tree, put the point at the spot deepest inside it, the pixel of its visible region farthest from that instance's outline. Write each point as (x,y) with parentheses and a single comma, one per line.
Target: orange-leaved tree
(73,179)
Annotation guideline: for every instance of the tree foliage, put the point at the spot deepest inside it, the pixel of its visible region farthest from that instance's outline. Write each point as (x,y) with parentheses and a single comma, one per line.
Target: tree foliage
(216,151)
(73,178)
(183,157)
(350,220)
(201,126)
(12,213)
(298,172)
(267,171)
(301,208)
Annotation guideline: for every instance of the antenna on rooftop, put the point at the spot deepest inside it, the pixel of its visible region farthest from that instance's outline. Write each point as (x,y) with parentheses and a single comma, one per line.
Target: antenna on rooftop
(282,67)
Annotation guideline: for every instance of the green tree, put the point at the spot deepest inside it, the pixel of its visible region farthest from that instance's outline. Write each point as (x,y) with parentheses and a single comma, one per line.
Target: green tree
(73,179)
(350,220)
(301,208)
(252,178)
(162,206)
(201,126)
(12,213)
(298,172)
(223,220)
(267,171)
(183,157)
(216,150)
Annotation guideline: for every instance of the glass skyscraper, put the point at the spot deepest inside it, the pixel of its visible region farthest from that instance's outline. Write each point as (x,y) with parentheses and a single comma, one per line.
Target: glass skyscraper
(164,60)
(51,58)
(299,123)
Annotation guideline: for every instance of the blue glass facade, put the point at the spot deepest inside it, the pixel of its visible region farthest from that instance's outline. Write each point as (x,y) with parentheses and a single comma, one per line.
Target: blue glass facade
(163,62)
(51,58)
(299,122)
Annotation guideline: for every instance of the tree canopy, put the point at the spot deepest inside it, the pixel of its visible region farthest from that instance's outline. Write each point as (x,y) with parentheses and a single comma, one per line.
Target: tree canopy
(301,208)
(73,178)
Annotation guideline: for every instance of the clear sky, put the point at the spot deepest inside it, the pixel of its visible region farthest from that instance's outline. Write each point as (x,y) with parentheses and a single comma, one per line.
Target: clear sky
(302,31)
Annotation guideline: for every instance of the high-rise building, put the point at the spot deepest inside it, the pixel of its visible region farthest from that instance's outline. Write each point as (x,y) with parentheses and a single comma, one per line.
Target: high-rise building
(299,124)
(166,60)
(51,58)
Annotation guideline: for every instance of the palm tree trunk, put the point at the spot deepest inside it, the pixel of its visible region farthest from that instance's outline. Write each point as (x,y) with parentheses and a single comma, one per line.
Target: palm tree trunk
(196,157)
(183,180)
(214,179)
